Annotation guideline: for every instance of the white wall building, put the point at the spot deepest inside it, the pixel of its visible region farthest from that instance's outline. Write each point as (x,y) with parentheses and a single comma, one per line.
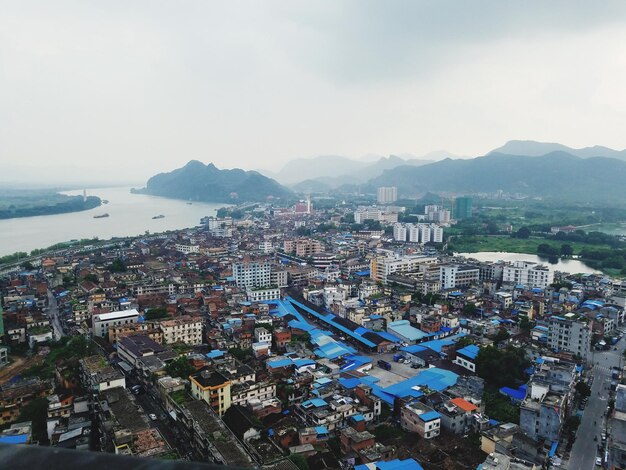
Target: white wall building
(260,293)
(528,273)
(185,329)
(102,322)
(252,274)
(387,194)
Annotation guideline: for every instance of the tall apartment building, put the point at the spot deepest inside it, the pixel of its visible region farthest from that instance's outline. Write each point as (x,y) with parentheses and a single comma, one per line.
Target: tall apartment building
(252,274)
(457,276)
(570,334)
(528,274)
(399,232)
(418,233)
(387,194)
(373,213)
(463,208)
(303,247)
(381,267)
(185,329)
(212,387)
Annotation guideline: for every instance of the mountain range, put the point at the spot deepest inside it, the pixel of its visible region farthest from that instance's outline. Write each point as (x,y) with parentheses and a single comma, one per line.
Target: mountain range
(199,182)
(333,170)
(556,175)
(583,175)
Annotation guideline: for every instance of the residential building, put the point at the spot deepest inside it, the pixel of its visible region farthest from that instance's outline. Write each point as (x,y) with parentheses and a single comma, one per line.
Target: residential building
(466,357)
(254,274)
(457,276)
(212,387)
(420,418)
(463,208)
(387,194)
(383,266)
(102,322)
(97,375)
(528,274)
(263,293)
(570,333)
(185,329)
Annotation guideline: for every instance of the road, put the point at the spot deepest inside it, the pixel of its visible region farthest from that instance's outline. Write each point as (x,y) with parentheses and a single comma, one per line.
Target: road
(168,429)
(585,449)
(53,315)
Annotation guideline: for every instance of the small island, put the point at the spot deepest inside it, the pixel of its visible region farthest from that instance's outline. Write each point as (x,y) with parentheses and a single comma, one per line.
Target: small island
(29,203)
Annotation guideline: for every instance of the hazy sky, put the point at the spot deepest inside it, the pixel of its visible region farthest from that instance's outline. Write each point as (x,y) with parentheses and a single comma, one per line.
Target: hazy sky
(128,88)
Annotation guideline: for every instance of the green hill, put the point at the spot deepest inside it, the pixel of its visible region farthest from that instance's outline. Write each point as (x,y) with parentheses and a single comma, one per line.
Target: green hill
(556,176)
(199,182)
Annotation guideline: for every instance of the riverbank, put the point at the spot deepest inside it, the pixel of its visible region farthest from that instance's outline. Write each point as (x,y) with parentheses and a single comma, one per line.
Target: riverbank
(610,260)
(19,206)
(480,243)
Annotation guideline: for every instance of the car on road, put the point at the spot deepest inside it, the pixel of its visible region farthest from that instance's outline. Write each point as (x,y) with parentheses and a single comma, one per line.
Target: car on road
(153,417)
(599,461)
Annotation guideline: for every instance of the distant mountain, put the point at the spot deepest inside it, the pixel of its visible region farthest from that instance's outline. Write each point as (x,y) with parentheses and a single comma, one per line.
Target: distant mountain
(334,170)
(537,149)
(557,176)
(199,182)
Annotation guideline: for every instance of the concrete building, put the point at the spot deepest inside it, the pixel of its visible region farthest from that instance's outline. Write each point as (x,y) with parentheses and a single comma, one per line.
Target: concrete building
(263,293)
(383,266)
(463,208)
(102,322)
(528,274)
(252,274)
(458,276)
(387,194)
(212,387)
(420,418)
(97,375)
(543,412)
(570,333)
(185,329)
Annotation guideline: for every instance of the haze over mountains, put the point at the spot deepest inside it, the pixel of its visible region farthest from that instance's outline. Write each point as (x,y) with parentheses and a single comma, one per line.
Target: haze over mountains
(199,182)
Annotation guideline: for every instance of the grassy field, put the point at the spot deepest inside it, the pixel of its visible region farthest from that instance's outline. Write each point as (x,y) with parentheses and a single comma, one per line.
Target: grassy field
(478,243)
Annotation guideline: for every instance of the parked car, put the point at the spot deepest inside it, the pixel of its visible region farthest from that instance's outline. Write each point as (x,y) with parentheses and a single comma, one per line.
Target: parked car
(599,461)
(153,417)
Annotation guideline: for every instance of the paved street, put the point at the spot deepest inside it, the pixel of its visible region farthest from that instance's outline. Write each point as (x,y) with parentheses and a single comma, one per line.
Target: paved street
(53,315)
(585,449)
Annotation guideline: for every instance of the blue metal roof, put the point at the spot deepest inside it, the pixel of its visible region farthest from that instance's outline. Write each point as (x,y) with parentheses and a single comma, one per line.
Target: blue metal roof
(429,416)
(14,439)
(470,351)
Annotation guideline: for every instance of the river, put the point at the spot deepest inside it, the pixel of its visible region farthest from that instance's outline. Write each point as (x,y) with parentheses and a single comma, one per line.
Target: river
(129,215)
(571,266)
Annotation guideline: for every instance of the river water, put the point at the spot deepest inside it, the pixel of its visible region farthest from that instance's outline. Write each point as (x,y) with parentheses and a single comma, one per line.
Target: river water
(571,266)
(129,215)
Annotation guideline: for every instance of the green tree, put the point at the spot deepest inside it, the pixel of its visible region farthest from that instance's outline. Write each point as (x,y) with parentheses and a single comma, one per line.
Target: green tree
(469,309)
(156,313)
(118,266)
(92,278)
(180,367)
(583,389)
(36,412)
(239,353)
(567,250)
(299,461)
(501,368)
(523,232)
(525,324)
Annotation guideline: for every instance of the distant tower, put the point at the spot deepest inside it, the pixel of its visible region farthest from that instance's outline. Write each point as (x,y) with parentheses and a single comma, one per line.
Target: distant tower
(84,195)
(462,208)
(387,194)
(308,204)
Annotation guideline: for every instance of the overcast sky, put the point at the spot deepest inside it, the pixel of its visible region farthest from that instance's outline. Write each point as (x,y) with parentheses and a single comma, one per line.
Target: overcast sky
(129,88)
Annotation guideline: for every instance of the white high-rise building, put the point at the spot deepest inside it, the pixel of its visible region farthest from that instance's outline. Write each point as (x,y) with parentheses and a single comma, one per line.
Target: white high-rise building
(252,274)
(413,233)
(424,231)
(399,232)
(387,194)
(528,273)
